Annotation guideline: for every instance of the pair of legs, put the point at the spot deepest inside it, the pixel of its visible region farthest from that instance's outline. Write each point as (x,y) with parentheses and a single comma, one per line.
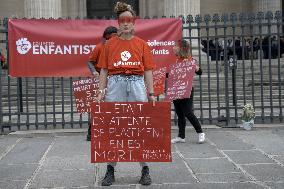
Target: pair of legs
(122,88)
(184,109)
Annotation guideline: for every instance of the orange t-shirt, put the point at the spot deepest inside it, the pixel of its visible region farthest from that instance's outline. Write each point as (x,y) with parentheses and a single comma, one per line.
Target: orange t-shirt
(130,57)
(95,55)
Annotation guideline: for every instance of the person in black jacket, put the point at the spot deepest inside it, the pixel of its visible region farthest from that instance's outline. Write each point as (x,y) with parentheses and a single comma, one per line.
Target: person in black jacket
(184,107)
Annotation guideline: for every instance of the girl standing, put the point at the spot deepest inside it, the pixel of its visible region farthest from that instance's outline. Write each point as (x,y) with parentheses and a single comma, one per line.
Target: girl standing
(184,107)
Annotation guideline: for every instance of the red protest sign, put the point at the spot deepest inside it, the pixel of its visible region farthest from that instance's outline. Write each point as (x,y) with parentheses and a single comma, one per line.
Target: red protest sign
(159,78)
(85,92)
(130,132)
(180,79)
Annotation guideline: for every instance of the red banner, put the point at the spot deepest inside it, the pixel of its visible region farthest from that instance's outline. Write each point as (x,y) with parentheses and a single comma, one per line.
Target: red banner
(131,132)
(85,92)
(180,79)
(52,48)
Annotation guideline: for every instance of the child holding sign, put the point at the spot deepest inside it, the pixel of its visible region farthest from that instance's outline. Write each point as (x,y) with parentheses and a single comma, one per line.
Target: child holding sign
(184,106)
(126,68)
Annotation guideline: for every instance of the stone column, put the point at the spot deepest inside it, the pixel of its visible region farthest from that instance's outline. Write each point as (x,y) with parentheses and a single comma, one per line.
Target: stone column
(151,8)
(266,5)
(74,8)
(183,7)
(42,8)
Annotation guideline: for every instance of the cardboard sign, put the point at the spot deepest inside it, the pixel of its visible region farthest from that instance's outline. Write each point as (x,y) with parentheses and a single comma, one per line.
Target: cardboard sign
(180,79)
(159,79)
(85,92)
(130,132)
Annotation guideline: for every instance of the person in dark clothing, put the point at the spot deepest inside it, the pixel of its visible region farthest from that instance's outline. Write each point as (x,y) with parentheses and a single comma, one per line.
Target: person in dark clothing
(2,60)
(94,59)
(184,107)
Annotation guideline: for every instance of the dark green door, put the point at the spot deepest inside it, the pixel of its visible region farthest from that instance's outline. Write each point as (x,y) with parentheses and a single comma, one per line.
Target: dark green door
(104,8)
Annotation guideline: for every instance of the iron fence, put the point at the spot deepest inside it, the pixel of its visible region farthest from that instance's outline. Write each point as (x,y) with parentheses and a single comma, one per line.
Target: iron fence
(241,58)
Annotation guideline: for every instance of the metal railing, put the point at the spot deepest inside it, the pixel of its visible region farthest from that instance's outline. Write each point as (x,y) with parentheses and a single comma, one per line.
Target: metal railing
(241,60)
(242,56)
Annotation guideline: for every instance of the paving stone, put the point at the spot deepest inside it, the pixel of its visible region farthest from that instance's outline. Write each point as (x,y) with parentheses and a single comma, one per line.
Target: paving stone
(223,177)
(6,142)
(67,164)
(206,186)
(11,184)
(17,172)
(211,165)
(29,150)
(246,157)
(266,172)
(118,186)
(171,172)
(68,146)
(73,162)
(65,178)
(197,150)
(276,185)
(226,141)
(263,139)
(280,159)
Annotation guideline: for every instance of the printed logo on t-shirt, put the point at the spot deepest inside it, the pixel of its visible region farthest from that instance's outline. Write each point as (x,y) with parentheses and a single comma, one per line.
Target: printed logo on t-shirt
(125,56)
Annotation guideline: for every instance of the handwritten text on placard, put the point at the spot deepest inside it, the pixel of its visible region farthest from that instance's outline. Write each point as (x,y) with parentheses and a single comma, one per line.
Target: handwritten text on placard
(130,132)
(180,79)
(85,92)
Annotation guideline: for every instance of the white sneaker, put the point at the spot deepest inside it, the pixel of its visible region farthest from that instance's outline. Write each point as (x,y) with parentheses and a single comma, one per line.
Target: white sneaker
(178,140)
(201,137)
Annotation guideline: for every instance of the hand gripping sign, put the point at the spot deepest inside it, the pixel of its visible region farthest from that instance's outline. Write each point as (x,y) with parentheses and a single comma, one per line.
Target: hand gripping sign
(130,132)
(85,92)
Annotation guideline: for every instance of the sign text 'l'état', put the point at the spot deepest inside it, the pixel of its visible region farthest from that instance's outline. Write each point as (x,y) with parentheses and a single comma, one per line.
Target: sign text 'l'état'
(130,132)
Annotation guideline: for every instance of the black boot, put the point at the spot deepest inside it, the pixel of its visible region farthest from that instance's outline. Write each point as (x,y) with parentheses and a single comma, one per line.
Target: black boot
(89,133)
(109,177)
(145,177)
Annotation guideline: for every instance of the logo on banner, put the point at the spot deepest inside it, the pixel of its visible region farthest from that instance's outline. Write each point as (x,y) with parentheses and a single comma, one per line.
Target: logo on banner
(23,45)
(50,48)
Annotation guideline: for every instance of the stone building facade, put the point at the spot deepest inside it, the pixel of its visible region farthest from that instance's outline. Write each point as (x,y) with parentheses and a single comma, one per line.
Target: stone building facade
(90,8)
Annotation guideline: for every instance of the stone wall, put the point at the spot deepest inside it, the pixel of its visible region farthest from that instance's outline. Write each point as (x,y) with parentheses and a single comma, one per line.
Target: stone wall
(10,8)
(224,6)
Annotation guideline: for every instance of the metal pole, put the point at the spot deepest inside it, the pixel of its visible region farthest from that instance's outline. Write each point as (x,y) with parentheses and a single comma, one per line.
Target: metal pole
(20,94)
(234,86)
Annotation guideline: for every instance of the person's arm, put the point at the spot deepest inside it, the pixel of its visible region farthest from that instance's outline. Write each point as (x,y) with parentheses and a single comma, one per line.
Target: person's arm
(198,70)
(93,69)
(149,84)
(94,59)
(103,83)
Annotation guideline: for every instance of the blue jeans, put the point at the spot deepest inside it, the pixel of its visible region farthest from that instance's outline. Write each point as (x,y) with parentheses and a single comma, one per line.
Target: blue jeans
(122,88)
(126,88)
